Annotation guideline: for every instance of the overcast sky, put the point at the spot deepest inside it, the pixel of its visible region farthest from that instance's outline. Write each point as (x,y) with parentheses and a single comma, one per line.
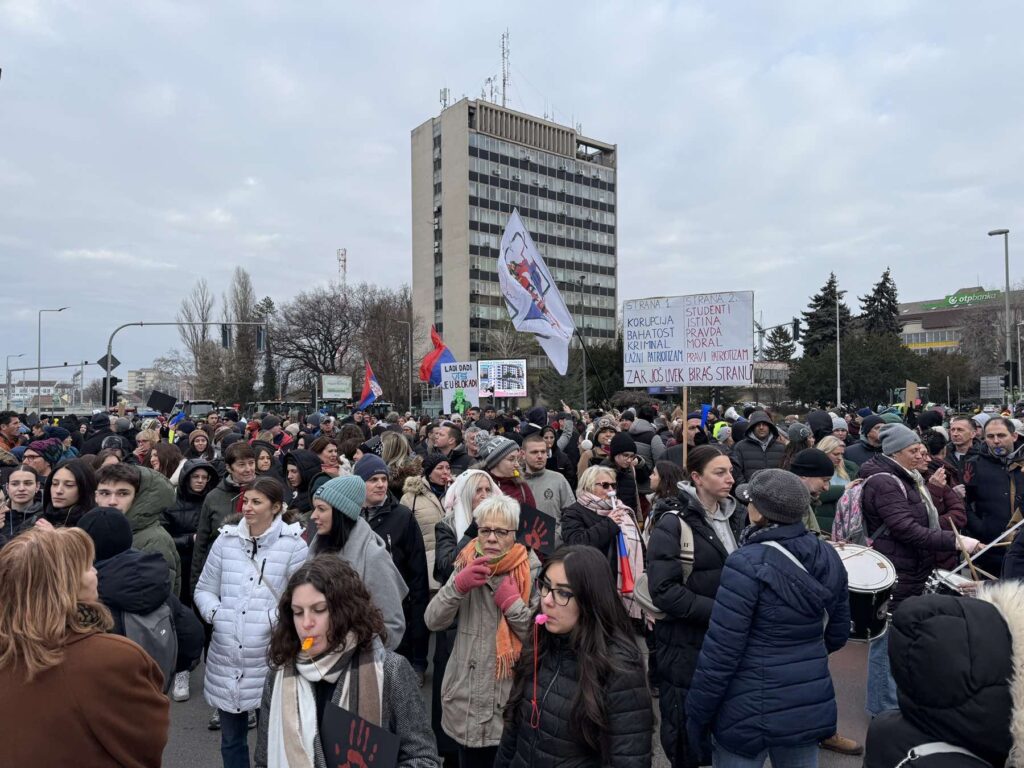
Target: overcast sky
(760,145)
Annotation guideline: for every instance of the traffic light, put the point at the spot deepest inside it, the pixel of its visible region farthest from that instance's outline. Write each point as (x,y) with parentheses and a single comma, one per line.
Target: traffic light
(225,336)
(109,386)
(796,329)
(1010,378)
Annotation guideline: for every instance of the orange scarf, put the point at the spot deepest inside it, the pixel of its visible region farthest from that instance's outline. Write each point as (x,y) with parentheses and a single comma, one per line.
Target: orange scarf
(517,563)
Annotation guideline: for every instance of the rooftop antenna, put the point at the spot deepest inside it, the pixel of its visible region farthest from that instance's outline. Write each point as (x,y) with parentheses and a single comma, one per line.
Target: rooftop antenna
(446,95)
(343,264)
(506,73)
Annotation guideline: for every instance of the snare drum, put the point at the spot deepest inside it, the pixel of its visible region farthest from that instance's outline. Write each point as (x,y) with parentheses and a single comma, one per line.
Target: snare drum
(871,576)
(943,582)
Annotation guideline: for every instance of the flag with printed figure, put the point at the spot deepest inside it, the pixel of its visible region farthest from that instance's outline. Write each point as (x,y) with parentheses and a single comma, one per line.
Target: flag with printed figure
(430,367)
(534,303)
(371,389)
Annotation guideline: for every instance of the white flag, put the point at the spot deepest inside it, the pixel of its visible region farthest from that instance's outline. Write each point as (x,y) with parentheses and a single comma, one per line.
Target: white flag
(533,300)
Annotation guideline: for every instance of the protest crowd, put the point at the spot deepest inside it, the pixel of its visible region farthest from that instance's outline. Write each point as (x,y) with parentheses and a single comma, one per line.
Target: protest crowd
(563,587)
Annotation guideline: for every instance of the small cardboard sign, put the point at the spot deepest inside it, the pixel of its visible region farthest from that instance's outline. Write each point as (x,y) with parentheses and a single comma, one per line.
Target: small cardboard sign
(536,529)
(349,741)
(161,401)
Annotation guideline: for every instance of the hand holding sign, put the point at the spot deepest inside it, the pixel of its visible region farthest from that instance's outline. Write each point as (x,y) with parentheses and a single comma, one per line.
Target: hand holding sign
(350,741)
(536,530)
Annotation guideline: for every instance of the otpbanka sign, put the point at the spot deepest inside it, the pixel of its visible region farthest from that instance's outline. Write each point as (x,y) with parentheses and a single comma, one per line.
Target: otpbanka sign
(956,300)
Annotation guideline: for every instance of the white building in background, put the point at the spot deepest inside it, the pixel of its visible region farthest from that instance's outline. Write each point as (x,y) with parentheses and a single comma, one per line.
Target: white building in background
(141,380)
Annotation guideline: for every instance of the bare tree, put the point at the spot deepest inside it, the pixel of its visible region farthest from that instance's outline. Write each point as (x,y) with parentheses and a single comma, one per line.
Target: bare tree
(383,341)
(197,307)
(504,341)
(175,370)
(93,392)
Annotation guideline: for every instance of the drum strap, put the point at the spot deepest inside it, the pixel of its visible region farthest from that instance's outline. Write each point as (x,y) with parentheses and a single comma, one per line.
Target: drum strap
(776,546)
(935,748)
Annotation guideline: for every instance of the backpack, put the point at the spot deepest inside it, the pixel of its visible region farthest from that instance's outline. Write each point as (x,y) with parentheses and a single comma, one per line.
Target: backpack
(848,524)
(642,589)
(154,632)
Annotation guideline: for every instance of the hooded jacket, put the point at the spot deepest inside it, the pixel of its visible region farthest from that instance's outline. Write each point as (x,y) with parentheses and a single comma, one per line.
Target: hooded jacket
(181,519)
(237,593)
(368,556)
(642,432)
(155,495)
(995,492)
(749,455)
(959,666)
(908,541)
(687,605)
(309,466)
(861,452)
(762,678)
(220,505)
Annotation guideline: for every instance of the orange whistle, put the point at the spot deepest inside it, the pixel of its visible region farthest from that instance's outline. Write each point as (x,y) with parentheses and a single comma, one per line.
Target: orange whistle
(307,643)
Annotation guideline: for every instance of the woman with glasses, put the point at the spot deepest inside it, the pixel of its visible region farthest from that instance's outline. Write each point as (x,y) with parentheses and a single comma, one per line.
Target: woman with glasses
(489,592)
(579,696)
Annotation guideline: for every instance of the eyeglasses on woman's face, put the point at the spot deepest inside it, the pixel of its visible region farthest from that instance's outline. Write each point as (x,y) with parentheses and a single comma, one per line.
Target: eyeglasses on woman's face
(498,533)
(560,596)
(606,485)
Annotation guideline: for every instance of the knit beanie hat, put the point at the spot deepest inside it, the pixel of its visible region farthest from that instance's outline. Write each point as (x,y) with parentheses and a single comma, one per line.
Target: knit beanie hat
(369,465)
(58,432)
(724,434)
(622,443)
(292,429)
(811,462)
(186,427)
(779,495)
(269,422)
(492,450)
(122,425)
(229,439)
(891,418)
(431,460)
(864,412)
(51,449)
(838,423)
(928,419)
(896,437)
(195,434)
(538,415)
(220,433)
(870,423)
(798,432)
(374,445)
(109,530)
(345,494)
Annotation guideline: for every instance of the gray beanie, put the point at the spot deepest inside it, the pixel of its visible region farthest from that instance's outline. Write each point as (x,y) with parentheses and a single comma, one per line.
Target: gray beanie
(798,432)
(494,449)
(779,496)
(346,494)
(838,423)
(896,437)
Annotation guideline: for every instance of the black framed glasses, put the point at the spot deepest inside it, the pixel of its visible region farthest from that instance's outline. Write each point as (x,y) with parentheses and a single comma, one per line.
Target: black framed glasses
(607,486)
(561,596)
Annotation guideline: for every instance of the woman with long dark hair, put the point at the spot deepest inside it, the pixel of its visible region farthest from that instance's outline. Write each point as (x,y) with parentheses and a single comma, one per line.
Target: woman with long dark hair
(69,493)
(664,481)
(579,696)
(167,460)
(323,653)
(341,531)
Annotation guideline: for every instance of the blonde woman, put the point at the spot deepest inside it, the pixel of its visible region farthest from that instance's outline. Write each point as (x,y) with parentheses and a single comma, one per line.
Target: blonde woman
(845,473)
(94,698)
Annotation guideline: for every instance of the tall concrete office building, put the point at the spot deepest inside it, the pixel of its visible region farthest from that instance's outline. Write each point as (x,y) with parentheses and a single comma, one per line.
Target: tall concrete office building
(471,167)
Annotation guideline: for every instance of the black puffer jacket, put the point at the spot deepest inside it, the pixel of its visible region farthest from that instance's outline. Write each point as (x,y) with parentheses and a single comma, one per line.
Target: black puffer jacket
(631,481)
(908,541)
(995,489)
(953,662)
(309,467)
(181,519)
(750,456)
(584,526)
(688,607)
(553,743)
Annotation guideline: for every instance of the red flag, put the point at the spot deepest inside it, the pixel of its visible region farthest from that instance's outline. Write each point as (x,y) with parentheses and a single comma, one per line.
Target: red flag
(624,569)
(430,367)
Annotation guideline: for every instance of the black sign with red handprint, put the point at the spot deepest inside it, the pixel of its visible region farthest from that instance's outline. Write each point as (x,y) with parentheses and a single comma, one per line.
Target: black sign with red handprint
(349,741)
(536,530)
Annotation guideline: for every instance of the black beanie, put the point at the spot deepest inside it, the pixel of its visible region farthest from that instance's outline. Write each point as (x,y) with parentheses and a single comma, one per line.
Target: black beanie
(870,423)
(622,443)
(928,419)
(431,460)
(811,462)
(109,530)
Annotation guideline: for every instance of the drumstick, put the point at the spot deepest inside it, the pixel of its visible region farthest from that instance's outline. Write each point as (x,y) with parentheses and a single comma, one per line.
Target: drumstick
(967,555)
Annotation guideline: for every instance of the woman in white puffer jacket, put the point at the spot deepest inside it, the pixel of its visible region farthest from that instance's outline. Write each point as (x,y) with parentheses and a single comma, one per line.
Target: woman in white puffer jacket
(247,570)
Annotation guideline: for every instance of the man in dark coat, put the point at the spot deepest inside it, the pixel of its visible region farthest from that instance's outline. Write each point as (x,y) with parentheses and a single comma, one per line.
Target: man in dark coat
(870,444)
(994,483)
(396,525)
(99,430)
(961,446)
(448,440)
(632,473)
(759,449)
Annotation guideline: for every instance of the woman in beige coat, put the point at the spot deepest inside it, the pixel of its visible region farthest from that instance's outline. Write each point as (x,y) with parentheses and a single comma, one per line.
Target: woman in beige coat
(422,494)
(489,592)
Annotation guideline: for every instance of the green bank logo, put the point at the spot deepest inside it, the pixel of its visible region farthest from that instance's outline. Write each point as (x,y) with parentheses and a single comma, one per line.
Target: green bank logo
(963,300)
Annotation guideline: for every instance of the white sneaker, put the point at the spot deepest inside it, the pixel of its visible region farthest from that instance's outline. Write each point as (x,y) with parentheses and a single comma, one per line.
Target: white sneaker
(180,692)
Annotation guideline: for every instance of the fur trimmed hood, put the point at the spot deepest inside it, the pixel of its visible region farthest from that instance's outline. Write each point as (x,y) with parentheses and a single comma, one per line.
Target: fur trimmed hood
(1008,598)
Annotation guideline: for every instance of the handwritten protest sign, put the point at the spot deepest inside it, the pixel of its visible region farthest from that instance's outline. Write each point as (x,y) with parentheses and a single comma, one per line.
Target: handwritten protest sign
(459,387)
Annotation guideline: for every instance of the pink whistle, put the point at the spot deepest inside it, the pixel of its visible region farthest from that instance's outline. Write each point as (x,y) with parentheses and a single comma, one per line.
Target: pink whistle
(541,618)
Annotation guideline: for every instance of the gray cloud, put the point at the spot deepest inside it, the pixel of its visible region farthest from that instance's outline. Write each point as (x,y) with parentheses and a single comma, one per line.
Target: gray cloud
(761,145)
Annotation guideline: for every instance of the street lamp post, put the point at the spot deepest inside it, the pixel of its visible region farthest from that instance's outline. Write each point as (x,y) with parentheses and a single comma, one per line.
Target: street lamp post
(1006,253)
(39,355)
(7,380)
(583,352)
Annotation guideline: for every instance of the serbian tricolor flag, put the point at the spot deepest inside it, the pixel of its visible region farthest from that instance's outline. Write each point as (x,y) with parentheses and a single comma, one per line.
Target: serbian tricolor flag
(371,389)
(624,570)
(430,368)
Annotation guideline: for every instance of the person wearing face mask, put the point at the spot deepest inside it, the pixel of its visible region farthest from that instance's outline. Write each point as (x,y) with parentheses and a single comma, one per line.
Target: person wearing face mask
(901,519)
(327,606)
(591,706)
(994,486)
(22,499)
(95,698)
(237,592)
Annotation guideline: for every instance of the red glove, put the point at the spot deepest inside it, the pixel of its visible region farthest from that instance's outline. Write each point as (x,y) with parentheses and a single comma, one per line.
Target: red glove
(472,576)
(506,594)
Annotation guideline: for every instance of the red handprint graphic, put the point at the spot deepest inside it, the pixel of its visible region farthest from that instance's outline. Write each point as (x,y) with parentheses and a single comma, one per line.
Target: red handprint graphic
(534,538)
(360,753)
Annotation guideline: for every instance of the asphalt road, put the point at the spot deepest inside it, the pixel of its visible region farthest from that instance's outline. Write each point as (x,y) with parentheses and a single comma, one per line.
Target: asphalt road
(191,745)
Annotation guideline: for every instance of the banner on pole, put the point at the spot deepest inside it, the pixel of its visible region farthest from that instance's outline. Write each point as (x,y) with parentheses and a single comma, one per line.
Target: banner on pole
(701,340)
(459,387)
(502,378)
(335,387)
(534,303)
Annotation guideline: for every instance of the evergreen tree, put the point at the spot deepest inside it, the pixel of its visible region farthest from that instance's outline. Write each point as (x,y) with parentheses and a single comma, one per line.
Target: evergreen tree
(881,308)
(819,324)
(780,346)
(265,311)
